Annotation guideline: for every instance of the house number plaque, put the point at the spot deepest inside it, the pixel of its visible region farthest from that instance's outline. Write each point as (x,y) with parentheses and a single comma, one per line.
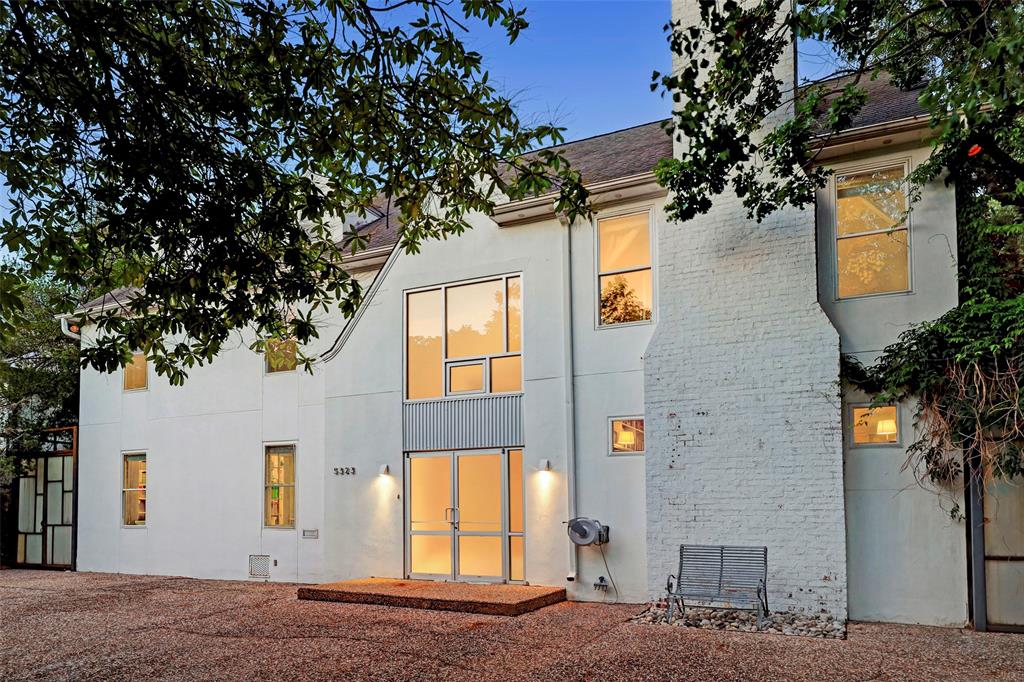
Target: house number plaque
(344,471)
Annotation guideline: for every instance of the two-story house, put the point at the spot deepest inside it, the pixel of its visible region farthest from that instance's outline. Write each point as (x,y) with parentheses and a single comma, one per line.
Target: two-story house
(678,382)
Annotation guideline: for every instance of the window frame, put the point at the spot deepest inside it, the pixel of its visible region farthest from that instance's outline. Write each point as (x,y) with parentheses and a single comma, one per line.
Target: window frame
(610,435)
(294,445)
(598,273)
(852,422)
(446,363)
(125,454)
(124,375)
(903,162)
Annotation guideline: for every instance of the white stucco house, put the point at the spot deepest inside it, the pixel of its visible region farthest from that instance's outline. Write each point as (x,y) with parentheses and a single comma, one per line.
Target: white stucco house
(678,382)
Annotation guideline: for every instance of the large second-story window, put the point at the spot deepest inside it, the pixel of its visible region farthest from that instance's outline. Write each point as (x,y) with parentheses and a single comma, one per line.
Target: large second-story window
(624,269)
(463,339)
(872,246)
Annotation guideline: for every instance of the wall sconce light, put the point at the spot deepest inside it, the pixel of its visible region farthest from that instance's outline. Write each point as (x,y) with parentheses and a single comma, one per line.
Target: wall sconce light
(544,465)
(886,427)
(384,470)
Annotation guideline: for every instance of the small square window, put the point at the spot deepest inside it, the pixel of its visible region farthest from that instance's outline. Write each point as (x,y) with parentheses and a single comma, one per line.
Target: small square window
(507,374)
(627,435)
(466,378)
(281,355)
(875,425)
(136,373)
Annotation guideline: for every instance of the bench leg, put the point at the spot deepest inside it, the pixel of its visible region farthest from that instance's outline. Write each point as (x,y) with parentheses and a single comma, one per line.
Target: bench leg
(673,603)
(760,614)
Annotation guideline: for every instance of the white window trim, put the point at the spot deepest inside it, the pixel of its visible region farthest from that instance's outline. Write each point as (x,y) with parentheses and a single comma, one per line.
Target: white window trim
(124,456)
(609,431)
(851,422)
(622,213)
(847,169)
(486,359)
(124,376)
(294,445)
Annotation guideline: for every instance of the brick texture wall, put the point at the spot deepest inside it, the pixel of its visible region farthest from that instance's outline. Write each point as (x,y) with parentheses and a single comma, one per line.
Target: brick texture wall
(744,437)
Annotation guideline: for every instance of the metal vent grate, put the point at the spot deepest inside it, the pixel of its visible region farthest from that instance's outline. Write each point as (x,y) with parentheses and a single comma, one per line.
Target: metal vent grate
(259,565)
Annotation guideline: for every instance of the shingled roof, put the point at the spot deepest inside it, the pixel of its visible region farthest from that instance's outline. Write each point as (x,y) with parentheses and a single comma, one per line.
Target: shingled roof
(886,102)
(634,151)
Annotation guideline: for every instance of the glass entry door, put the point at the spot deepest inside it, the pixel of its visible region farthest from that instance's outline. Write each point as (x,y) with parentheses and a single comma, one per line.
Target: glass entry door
(45,512)
(464,512)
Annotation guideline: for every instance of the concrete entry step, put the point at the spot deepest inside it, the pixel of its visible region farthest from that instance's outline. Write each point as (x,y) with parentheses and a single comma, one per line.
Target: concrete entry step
(494,600)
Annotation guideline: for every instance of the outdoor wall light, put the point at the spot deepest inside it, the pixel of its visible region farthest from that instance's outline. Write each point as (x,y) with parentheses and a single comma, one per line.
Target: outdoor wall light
(544,465)
(384,470)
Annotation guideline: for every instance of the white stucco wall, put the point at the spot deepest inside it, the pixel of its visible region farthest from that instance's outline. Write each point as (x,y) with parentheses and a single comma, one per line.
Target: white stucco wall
(907,559)
(204,441)
(364,396)
(204,454)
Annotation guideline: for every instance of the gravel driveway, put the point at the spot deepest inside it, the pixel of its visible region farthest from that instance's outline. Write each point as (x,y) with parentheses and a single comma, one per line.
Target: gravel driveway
(99,626)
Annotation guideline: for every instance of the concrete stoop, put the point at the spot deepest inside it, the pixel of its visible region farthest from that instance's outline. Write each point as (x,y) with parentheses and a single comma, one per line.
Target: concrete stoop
(488,599)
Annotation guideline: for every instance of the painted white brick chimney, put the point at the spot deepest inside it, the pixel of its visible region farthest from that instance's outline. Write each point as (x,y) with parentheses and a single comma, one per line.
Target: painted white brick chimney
(741,388)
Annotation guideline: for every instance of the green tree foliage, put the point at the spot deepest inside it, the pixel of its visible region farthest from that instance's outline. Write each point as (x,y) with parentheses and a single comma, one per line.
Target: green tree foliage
(38,374)
(965,368)
(206,153)
(619,303)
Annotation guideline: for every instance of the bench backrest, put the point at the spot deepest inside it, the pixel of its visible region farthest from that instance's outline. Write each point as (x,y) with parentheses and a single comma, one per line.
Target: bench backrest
(718,569)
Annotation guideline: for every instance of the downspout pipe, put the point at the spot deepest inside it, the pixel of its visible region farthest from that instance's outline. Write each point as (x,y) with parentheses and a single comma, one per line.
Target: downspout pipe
(570,388)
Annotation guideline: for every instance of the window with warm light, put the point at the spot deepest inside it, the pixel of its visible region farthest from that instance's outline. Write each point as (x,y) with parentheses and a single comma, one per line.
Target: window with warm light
(875,425)
(627,435)
(281,355)
(279,487)
(133,490)
(624,269)
(136,373)
(872,242)
(464,338)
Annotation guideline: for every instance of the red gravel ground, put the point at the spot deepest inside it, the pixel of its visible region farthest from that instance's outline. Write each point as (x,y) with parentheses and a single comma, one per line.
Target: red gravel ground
(97,626)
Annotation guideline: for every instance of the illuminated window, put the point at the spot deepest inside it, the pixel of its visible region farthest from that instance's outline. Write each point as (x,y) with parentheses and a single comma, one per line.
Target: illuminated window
(136,373)
(872,247)
(464,338)
(281,355)
(875,425)
(279,487)
(627,435)
(624,269)
(133,490)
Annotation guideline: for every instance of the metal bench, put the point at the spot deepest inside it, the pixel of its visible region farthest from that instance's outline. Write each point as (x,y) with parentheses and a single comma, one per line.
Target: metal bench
(734,576)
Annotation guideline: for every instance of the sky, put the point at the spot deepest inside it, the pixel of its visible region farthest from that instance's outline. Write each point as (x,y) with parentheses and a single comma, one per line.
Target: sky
(586,65)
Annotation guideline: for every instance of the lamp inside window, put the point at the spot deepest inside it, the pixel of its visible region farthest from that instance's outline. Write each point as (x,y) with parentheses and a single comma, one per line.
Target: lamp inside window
(875,425)
(627,435)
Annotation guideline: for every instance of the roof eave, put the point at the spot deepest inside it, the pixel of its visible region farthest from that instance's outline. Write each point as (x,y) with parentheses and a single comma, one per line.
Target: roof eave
(864,138)
(602,194)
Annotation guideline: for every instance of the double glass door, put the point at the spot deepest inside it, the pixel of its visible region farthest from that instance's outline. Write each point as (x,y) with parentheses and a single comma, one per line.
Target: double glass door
(465,515)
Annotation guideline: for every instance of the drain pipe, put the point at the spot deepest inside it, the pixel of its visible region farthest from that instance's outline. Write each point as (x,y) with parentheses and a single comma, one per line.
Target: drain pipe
(570,389)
